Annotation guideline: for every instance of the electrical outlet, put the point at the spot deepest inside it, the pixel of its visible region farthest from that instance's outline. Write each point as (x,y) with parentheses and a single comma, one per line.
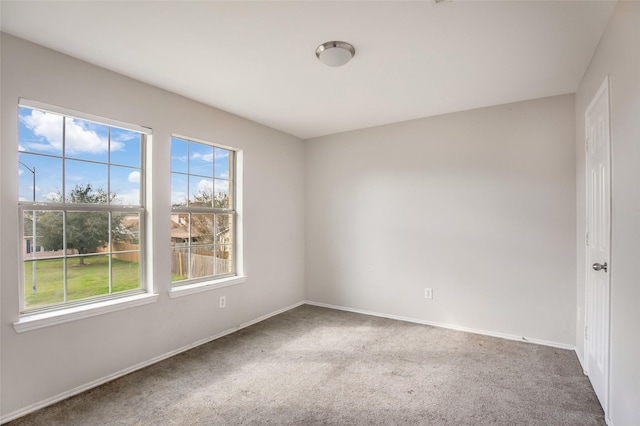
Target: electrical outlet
(428,293)
(223,301)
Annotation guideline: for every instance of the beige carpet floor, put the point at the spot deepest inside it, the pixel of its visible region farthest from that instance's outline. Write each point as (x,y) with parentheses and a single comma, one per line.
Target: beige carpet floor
(317,366)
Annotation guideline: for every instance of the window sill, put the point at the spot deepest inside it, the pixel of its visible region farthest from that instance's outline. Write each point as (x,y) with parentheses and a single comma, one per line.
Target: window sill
(205,286)
(46,319)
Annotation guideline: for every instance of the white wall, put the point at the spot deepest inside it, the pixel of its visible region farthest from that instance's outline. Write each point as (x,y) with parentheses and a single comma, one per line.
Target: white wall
(478,205)
(618,55)
(41,364)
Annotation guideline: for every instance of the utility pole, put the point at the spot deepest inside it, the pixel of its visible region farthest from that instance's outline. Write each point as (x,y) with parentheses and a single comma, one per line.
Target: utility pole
(34,286)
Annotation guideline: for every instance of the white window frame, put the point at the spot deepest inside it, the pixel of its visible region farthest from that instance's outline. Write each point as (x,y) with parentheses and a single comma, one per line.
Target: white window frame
(38,317)
(196,285)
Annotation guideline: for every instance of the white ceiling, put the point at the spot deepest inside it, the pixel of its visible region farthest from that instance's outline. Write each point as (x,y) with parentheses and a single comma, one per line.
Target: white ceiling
(257,59)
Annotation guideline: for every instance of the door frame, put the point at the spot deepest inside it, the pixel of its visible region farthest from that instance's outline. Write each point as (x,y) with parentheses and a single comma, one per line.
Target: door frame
(587,266)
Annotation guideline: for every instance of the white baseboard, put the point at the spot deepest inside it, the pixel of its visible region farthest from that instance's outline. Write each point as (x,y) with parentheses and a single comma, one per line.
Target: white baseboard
(449,326)
(85,387)
(272,314)
(581,361)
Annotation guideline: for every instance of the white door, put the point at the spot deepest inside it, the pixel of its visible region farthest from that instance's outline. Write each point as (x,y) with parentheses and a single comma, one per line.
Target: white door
(598,244)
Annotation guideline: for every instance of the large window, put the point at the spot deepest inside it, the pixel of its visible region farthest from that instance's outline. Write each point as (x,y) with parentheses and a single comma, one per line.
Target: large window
(203,213)
(81,207)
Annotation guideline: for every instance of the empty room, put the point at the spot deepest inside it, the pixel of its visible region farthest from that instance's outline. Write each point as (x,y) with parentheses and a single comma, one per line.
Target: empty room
(320,212)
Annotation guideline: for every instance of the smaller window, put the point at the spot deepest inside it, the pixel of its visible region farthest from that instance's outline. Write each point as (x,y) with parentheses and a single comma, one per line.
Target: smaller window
(203,216)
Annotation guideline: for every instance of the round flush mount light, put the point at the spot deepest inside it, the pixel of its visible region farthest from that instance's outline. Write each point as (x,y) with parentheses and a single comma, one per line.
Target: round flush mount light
(335,53)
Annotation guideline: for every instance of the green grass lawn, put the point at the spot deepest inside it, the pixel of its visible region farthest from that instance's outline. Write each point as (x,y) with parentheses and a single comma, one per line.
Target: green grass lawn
(83,281)
(176,277)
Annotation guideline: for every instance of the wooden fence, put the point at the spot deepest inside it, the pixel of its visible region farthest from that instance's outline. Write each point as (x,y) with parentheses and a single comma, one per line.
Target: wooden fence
(201,265)
(132,256)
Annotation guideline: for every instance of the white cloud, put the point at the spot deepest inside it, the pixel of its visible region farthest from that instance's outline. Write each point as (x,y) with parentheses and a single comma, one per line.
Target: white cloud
(134,177)
(221,186)
(20,172)
(131,197)
(46,125)
(221,154)
(116,146)
(21,148)
(79,139)
(205,186)
(52,196)
(207,157)
(224,175)
(123,136)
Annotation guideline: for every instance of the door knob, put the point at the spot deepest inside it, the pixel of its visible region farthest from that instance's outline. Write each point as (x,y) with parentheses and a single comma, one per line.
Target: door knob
(599,267)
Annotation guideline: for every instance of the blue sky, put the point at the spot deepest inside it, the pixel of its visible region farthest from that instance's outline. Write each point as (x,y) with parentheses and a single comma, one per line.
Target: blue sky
(87,147)
(197,168)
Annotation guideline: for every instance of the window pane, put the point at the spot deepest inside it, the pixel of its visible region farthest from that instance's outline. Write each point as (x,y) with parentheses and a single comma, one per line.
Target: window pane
(125,185)
(125,271)
(47,172)
(29,244)
(224,229)
(202,229)
(39,131)
(222,194)
(179,263)
(200,191)
(85,182)
(48,286)
(180,229)
(125,231)
(87,276)
(86,232)
(201,261)
(49,241)
(179,190)
(200,159)
(224,260)
(180,247)
(125,147)
(222,165)
(86,140)
(179,155)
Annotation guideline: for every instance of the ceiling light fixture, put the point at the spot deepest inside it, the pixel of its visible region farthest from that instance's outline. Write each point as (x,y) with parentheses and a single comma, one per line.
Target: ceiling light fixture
(335,53)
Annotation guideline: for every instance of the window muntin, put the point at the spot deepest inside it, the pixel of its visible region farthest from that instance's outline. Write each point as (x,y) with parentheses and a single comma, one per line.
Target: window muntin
(203,211)
(82,182)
